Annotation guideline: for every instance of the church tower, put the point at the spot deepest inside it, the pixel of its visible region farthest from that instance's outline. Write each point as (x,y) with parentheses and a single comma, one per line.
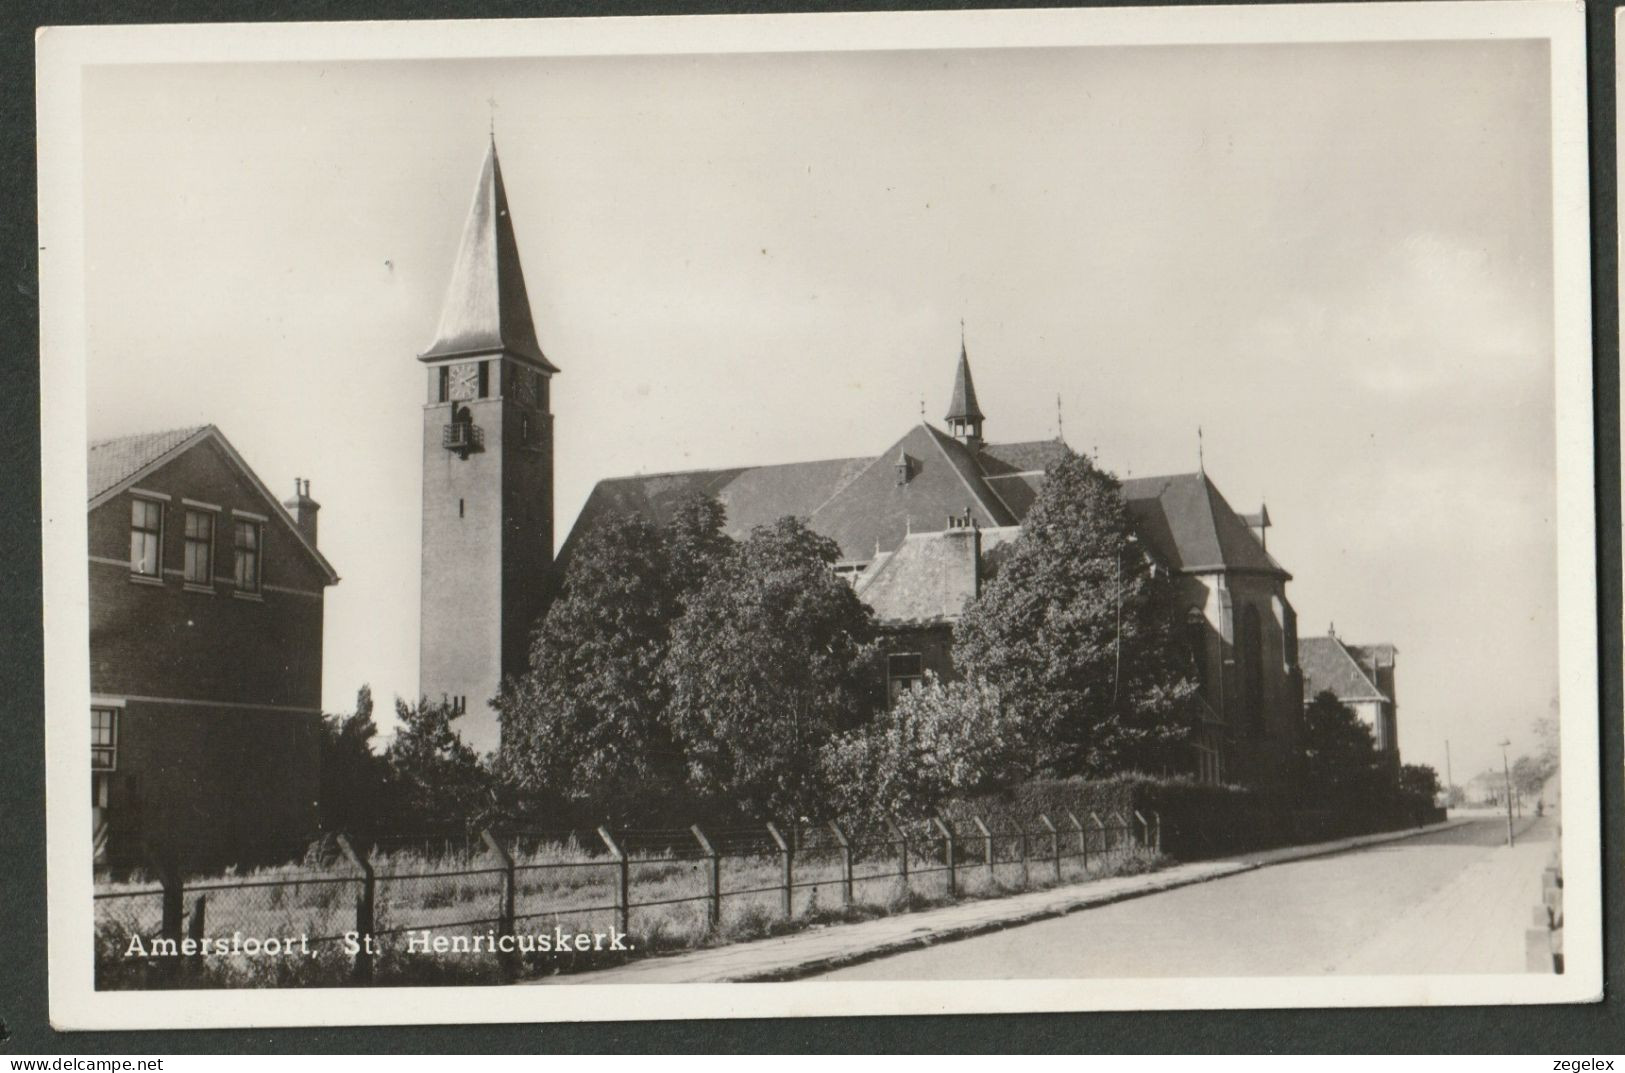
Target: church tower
(487,472)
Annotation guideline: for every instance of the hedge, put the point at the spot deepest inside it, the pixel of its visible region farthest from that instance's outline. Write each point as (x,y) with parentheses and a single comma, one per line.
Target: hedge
(1199,820)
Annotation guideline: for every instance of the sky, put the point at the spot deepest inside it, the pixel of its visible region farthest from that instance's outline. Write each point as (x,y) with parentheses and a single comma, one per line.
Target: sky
(1336,260)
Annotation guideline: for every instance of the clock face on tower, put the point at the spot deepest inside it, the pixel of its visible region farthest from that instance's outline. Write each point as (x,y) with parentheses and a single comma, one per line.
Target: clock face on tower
(463,382)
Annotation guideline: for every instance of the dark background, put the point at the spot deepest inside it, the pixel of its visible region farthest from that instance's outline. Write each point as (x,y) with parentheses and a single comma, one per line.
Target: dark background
(24,1025)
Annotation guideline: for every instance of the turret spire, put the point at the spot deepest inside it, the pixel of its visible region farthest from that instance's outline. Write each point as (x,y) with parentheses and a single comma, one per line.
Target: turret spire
(964,415)
(487,308)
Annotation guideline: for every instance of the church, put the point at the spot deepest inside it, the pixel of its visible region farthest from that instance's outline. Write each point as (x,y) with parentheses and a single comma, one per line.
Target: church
(920,524)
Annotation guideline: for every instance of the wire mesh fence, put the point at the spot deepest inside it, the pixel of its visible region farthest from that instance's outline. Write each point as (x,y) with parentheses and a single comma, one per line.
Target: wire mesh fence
(350,912)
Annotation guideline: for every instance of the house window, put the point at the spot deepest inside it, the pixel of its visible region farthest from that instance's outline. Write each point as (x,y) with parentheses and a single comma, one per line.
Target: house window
(442,379)
(146,537)
(199,566)
(905,671)
(103,739)
(524,430)
(247,547)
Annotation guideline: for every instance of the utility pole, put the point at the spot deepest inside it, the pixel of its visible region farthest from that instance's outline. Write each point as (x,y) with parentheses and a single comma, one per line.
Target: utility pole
(1506,773)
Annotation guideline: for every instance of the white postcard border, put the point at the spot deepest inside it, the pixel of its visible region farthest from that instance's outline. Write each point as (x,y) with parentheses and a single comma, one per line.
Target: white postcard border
(63,54)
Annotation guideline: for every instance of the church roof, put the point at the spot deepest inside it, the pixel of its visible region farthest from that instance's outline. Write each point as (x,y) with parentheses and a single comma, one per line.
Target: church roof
(962,406)
(487,309)
(1185,519)
(1329,666)
(865,506)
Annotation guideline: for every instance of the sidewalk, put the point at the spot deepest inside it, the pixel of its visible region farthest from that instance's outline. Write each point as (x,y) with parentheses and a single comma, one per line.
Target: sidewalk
(1475,924)
(821,949)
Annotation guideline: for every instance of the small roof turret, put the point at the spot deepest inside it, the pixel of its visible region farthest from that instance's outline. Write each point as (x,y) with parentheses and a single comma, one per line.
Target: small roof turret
(962,406)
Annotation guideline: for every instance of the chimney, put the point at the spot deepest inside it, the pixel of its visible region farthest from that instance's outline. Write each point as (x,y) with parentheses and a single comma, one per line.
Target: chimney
(303,508)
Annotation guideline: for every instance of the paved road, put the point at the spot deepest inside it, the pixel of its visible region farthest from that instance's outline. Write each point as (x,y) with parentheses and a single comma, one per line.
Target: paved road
(1456,901)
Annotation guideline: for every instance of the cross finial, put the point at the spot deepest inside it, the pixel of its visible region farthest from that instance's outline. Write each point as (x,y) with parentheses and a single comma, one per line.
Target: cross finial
(1201,464)
(1060,425)
(492,102)
(922,406)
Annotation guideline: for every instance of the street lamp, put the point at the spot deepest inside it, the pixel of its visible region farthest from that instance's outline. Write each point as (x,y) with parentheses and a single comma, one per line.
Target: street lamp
(1506,773)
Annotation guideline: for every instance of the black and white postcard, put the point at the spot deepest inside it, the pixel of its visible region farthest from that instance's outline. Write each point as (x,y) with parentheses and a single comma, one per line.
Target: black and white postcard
(819,514)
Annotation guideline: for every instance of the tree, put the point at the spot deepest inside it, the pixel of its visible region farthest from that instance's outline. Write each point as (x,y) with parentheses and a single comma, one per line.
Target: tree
(936,743)
(695,540)
(1077,631)
(1419,780)
(353,778)
(588,720)
(1529,775)
(435,779)
(1342,767)
(773,655)
(589,714)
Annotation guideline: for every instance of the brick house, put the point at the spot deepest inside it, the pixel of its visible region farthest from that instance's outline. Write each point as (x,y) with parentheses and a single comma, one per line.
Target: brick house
(206,602)
(921,526)
(1362,678)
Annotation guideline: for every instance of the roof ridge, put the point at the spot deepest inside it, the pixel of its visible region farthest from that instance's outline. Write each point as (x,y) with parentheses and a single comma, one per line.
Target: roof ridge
(189,430)
(938,438)
(725,469)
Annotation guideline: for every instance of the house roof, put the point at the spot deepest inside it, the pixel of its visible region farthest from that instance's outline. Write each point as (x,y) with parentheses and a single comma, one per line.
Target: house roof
(113,463)
(927,580)
(487,309)
(1329,666)
(1378,655)
(117,464)
(1192,527)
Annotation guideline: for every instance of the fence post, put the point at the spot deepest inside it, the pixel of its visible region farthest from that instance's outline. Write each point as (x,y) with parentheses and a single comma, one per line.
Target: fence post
(362,970)
(902,851)
(1054,844)
(1083,837)
(987,845)
(788,883)
(1026,867)
(1156,818)
(1145,830)
(623,880)
(846,863)
(947,852)
(507,906)
(194,931)
(162,863)
(713,877)
(1122,827)
(1105,838)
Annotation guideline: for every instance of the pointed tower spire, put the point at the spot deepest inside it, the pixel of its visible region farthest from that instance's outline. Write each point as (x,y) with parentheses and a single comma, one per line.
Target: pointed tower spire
(487,308)
(964,415)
